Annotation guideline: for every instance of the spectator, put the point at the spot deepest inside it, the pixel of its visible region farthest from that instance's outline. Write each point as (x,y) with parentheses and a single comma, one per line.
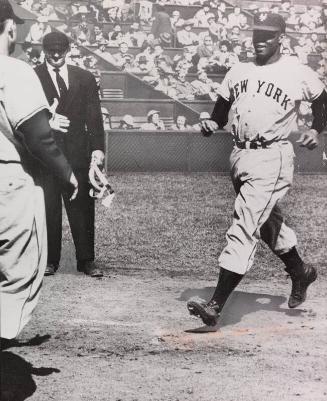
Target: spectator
(145,12)
(112,35)
(235,35)
(127,122)
(106,119)
(215,91)
(285,5)
(185,36)
(176,21)
(161,23)
(204,115)
(103,52)
(38,30)
(158,54)
(42,7)
(184,89)
(248,48)
(26,52)
(154,122)
(142,65)
(185,62)
(201,17)
(135,36)
(116,39)
(82,33)
(180,124)
(236,18)
(221,14)
(97,36)
(293,19)
(253,8)
(74,56)
(123,59)
(202,86)
(302,50)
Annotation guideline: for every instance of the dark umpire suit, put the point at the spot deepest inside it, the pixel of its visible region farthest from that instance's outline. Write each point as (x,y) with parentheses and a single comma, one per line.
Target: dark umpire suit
(81,105)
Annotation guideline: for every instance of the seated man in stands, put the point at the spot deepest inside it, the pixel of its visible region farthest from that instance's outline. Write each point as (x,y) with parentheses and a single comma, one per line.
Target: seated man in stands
(38,30)
(202,86)
(236,18)
(45,9)
(135,35)
(154,123)
(221,14)
(293,19)
(176,21)
(127,122)
(201,17)
(184,61)
(82,33)
(103,52)
(142,65)
(98,36)
(184,89)
(123,59)
(185,36)
(207,48)
(204,115)
(180,124)
(302,50)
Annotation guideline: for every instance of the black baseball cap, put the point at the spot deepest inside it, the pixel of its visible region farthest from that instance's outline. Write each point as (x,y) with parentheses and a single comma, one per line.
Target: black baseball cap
(267,21)
(55,41)
(7,12)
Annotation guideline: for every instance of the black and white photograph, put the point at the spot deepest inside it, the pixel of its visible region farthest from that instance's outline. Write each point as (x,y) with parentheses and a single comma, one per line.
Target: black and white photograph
(163,200)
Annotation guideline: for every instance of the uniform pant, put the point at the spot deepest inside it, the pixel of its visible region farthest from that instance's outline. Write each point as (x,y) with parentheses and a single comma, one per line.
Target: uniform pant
(261,177)
(23,248)
(80,213)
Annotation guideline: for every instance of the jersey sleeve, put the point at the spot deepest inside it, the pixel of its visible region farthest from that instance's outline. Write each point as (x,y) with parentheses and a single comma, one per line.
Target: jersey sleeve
(312,86)
(225,86)
(23,93)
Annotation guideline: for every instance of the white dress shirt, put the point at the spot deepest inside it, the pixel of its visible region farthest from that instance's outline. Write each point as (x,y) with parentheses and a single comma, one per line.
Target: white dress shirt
(63,71)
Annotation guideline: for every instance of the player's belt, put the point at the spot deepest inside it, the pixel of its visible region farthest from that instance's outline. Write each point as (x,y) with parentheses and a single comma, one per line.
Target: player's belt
(257,144)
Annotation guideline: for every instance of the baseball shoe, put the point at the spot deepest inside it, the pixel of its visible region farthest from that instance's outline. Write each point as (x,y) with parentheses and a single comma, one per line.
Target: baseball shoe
(89,268)
(300,285)
(51,269)
(208,312)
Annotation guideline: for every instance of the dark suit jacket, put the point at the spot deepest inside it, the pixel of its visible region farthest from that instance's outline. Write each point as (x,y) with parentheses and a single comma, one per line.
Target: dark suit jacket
(82,108)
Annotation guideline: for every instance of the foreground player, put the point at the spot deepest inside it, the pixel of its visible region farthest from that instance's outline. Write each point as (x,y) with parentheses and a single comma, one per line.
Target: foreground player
(264,96)
(23,245)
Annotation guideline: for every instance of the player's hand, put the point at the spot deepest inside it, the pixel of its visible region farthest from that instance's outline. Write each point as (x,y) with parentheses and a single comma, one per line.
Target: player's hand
(208,127)
(97,157)
(309,139)
(74,183)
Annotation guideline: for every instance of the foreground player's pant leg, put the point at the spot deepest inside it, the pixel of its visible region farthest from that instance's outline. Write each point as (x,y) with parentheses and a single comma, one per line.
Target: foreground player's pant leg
(261,178)
(23,248)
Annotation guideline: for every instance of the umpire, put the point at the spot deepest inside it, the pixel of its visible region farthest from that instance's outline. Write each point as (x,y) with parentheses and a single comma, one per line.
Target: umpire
(79,133)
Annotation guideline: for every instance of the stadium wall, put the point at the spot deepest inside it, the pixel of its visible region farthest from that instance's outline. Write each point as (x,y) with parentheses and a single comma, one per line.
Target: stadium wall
(187,151)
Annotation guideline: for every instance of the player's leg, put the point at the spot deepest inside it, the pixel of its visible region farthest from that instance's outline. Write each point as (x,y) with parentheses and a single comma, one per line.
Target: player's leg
(282,241)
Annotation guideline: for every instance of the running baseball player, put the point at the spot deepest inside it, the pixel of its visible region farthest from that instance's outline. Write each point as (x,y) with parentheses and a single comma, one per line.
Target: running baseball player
(264,96)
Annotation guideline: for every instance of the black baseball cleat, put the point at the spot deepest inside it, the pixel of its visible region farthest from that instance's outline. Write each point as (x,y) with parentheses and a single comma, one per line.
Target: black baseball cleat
(208,312)
(300,285)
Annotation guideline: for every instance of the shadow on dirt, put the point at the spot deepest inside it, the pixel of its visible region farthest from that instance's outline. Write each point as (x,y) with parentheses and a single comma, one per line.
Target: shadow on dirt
(17,383)
(242,303)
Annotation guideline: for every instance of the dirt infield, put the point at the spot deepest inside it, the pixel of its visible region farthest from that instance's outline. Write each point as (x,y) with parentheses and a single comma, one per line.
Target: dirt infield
(128,336)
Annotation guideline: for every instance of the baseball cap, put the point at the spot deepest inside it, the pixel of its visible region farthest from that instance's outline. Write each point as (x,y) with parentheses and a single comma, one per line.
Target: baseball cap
(151,112)
(7,12)
(55,41)
(269,22)
(128,119)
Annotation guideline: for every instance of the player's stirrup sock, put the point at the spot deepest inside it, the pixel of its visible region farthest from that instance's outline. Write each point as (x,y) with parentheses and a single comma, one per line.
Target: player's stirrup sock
(227,282)
(292,261)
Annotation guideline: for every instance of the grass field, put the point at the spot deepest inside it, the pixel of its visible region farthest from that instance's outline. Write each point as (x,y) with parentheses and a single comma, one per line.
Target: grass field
(176,223)
(129,337)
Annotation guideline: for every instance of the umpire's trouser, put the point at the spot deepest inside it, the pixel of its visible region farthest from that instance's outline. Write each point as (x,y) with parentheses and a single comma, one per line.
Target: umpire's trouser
(261,177)
(80,213)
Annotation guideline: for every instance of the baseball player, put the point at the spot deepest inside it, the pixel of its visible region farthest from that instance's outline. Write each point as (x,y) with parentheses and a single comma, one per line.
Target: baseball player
(24,123)
(264,96)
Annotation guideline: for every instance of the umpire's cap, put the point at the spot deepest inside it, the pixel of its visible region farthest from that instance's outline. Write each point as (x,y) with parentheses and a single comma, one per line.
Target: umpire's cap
(6,12)
(55,41)
(266,21)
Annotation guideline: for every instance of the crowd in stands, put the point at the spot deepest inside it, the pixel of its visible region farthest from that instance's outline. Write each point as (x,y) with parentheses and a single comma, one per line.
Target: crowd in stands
(209,43)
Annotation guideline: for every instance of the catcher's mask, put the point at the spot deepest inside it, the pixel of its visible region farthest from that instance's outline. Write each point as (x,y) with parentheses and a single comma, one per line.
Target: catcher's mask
(101,187)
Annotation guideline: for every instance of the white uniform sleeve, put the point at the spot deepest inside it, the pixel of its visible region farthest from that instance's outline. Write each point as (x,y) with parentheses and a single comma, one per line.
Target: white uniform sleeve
(225,87)
(23,93)
(311,84)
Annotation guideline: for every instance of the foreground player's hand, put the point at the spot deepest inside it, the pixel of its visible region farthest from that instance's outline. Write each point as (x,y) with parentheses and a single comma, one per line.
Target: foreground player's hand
(309,139)
(208,127)
(74,183)
(58,122)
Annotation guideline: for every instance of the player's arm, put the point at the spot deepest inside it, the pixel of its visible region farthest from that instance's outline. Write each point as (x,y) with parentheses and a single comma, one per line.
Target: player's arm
(219,117)
(309,138)
(37,136)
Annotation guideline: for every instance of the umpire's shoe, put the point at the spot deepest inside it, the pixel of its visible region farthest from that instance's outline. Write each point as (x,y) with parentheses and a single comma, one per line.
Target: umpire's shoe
(208,312)
(301,279)
(51,269)
(89,268)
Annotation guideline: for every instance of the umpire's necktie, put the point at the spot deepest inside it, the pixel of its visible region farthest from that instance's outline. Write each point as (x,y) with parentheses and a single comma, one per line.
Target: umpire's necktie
(61,84)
